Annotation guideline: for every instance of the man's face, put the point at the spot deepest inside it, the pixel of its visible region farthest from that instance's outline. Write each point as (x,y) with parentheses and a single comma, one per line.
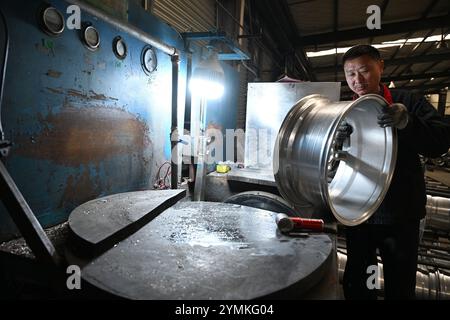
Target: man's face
(363,74)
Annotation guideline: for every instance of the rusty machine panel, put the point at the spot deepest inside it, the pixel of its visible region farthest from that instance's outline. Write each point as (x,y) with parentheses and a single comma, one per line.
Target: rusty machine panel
(85,119)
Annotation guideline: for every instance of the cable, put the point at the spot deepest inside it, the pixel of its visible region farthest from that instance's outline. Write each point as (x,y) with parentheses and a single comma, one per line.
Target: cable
(168,171)
(160,183)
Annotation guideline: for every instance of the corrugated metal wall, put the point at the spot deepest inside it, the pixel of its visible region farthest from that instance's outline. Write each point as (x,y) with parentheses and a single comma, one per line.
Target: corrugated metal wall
(242,104)
(187,15)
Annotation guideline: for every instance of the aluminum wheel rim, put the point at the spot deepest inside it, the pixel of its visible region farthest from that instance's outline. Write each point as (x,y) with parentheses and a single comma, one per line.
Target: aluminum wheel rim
(304,151)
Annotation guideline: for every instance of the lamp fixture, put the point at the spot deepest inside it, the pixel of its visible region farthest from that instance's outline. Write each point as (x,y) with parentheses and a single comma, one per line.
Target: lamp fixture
(208,77)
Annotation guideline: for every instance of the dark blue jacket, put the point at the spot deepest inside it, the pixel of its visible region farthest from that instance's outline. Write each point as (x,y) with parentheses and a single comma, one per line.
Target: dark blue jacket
(427,134)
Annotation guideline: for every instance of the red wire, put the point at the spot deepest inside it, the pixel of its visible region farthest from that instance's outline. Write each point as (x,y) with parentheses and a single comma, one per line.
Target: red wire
(161,182)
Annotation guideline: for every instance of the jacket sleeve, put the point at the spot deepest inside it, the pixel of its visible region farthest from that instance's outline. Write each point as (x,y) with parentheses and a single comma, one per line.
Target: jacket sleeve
(427,132)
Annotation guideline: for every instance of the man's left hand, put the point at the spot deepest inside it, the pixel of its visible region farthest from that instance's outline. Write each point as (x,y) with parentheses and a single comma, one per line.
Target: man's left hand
(395,115)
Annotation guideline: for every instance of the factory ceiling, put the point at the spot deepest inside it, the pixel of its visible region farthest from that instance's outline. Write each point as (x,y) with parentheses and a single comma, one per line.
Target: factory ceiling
(317,32)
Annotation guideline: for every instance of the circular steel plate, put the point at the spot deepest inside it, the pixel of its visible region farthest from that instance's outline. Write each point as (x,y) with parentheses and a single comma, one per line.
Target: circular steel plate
(203,250)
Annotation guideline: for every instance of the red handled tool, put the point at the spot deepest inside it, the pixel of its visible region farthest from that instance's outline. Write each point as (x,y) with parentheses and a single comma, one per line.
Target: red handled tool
(287,224)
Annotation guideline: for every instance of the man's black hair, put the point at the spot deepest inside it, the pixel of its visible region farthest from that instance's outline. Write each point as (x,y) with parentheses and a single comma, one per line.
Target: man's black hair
(361,50)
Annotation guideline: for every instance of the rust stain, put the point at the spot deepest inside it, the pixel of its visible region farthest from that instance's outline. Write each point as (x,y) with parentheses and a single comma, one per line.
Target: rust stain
(213,125)
(41,49)
(97,96)
(79,94)
(78,190)
(76,93)
(90,135)
(56,90)
(53,73)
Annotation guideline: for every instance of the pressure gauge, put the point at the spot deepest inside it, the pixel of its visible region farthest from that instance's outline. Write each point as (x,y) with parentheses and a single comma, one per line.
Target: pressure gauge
(52,21)
(120,48)
(148,60)
(91,38)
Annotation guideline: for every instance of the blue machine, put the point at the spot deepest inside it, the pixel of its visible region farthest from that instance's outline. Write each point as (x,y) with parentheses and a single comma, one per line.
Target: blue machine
(85,123)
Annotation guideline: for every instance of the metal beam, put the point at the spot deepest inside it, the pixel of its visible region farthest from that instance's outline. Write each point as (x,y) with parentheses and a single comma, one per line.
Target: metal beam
(221,37)
(396,62)
(431,91)
(300,54)
(418,76)
(442,102)
(424,52)
(284,30)
(335,30)
(417,84)
(272,27)
(299,2)
(387,29)
(383,10)
(435,87)
(26,221)
(423,16)
(412,51)
(425,76)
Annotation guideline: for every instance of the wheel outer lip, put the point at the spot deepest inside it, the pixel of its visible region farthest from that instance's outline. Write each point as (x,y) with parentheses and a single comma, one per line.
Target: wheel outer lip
(298,113)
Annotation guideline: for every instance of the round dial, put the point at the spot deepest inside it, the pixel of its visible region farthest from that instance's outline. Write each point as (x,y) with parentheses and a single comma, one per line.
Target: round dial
(91,38)
(149,60)
(120,48)
(52,21)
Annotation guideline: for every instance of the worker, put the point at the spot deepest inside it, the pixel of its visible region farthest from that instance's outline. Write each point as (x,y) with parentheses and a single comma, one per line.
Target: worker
(393,229)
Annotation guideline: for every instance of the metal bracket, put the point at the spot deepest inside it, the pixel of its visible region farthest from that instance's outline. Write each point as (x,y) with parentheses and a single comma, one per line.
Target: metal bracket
(26,221)
(5,145)
(237,54)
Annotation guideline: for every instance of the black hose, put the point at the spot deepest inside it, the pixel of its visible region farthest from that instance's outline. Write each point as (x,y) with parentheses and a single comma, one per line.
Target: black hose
(2,79)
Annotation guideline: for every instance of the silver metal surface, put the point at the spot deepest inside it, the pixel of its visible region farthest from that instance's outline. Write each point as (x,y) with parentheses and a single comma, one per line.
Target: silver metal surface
(52,21)
(120,48)
(250,175)
(306,150)
(91,38)
(430,285)
(262,200)
(438,213)
(267,106)
(284,223)
(149,60)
